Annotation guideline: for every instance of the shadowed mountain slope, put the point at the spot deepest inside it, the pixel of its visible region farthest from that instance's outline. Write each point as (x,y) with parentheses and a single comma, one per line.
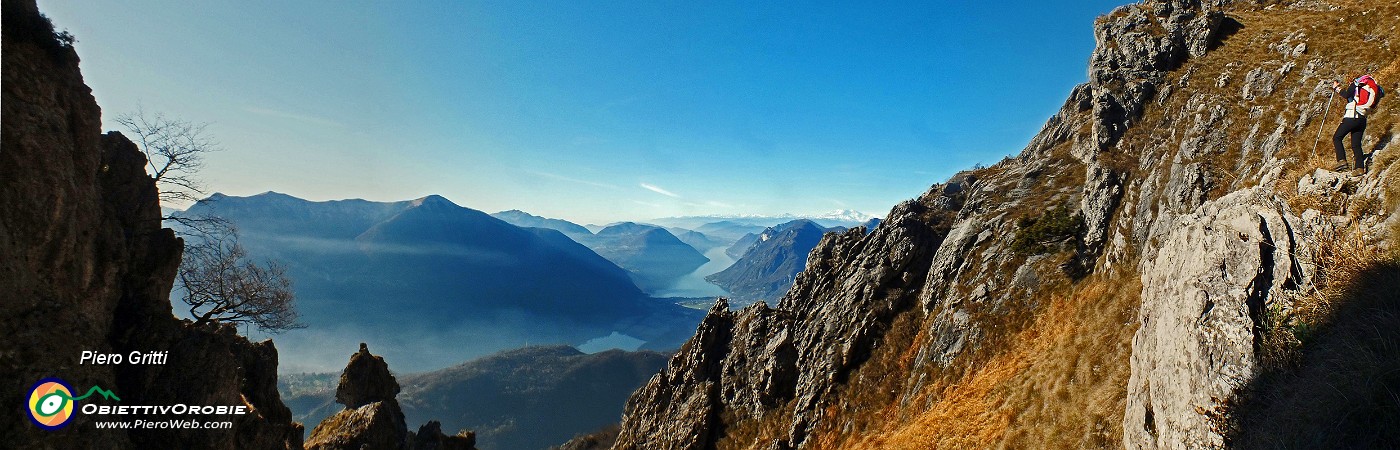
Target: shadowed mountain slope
(464,280)
(766,270)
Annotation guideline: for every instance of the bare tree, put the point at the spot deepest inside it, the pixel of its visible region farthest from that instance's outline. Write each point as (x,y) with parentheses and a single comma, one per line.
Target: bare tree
(221,284)
(174,155)
(174,152)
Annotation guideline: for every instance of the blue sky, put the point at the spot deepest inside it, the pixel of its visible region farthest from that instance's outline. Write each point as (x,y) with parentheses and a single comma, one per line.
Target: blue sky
(593,111)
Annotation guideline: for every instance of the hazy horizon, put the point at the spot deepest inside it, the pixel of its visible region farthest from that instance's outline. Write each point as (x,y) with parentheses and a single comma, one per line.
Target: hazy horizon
(591,112)
(737,215)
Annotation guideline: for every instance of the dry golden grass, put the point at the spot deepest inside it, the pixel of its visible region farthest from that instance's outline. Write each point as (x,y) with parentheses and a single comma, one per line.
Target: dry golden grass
(1060,381)
(1060,384)
(1392,205)
(1332,41)
(1052,372)
(1342,256)
(1333,378)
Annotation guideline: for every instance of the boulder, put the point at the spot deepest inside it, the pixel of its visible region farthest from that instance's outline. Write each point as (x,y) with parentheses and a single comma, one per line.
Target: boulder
(377,425)
(1205,299)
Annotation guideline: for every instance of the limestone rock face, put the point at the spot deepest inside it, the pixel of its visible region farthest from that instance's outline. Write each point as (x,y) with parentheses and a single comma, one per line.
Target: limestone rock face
(86,265)
(1204,300)
(1323,183)
(1100,199)
(679,408)
(749,364)
(1190,209)
(1135,46)
(597,440)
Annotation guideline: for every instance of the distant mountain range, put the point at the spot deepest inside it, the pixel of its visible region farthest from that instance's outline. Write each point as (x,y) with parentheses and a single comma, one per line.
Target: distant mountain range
(729,231)
(844,217)
(523,219)
(652,256)
(431,282)
(742,246)
(530,398)
(697,240)
(764,275)
(767,268)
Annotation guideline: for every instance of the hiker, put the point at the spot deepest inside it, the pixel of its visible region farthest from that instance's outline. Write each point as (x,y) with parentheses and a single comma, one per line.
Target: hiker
(1361,96)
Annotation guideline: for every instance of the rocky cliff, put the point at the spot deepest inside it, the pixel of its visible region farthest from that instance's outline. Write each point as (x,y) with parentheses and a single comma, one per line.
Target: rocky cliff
(1199,259)
(87,267)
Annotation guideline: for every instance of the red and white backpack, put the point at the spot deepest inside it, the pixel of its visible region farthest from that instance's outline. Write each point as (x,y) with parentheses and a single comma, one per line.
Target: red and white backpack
(1363,96)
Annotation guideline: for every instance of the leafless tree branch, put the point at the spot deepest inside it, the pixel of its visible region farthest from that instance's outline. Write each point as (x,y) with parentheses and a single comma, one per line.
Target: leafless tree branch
(174,151)
(221,284)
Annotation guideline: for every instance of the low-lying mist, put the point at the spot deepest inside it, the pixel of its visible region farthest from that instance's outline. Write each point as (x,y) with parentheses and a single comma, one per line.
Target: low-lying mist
(408,348)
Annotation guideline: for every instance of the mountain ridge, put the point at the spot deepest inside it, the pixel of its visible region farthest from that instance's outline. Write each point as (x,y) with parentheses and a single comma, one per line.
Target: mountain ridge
(765,271)
(840,217)
(652,256)
(523,219)
(1133,278)
(448,269)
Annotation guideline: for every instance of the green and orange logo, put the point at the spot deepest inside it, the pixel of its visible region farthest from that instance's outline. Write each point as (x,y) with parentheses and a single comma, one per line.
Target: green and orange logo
(51,402)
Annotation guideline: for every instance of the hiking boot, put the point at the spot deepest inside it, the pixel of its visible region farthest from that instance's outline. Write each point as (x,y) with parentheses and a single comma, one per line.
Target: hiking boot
(1342,166)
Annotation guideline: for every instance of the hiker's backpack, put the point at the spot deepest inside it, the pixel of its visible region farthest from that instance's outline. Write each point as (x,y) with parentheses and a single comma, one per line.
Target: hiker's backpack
(1376,87)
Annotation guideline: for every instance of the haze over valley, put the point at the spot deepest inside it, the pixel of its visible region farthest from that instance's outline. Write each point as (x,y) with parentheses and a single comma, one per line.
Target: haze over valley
(431,283)
(526,225)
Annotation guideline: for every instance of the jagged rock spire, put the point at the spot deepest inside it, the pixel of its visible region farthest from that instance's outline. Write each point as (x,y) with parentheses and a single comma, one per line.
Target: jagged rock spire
(372,417)
(366,380)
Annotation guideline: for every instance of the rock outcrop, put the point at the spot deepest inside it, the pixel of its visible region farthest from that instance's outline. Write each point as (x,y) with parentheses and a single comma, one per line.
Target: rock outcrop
(372,417)
(87,266)
(598,440)
(1179,193)
(1204,301)
(366,380)
(375,425)
(1136,46)
(430,437)
(744,365)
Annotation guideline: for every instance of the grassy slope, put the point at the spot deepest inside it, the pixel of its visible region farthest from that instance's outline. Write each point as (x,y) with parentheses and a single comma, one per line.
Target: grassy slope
(1061,384)
(1055,374)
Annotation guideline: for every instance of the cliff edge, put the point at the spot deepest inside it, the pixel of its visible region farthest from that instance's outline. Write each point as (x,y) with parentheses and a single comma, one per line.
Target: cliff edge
(88,267)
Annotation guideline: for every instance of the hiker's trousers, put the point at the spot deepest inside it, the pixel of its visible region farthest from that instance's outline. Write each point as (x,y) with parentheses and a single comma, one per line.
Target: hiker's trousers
(1355,126)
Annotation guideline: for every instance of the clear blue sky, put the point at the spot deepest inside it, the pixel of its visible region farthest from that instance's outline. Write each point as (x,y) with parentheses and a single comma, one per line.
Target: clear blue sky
(593,111)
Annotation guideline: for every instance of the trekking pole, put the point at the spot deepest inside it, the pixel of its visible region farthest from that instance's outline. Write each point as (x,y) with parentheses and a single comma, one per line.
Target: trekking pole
(1323,122)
